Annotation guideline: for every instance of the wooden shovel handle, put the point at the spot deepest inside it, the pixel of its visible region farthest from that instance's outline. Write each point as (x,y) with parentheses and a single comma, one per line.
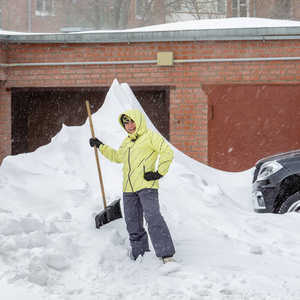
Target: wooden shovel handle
(96,153)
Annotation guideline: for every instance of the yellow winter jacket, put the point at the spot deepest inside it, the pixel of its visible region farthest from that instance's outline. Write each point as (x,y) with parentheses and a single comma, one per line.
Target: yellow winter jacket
(138,153)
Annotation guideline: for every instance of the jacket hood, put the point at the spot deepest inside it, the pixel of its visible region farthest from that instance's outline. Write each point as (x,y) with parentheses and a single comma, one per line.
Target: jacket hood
(139,120)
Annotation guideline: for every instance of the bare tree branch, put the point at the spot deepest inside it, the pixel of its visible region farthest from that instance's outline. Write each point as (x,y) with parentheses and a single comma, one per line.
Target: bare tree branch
(121,14)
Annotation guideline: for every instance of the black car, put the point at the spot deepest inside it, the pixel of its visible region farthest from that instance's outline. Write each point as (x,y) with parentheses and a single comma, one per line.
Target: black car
(276,183)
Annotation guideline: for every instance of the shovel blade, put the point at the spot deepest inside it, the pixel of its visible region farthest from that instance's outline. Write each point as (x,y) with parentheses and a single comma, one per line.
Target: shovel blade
(110,213)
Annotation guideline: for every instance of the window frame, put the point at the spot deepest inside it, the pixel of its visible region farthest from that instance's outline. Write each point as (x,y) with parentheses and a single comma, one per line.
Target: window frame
(237,8)
(45,8)
(221,7)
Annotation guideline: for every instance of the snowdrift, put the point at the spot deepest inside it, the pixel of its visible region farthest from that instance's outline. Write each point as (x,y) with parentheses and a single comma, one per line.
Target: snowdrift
(50,248)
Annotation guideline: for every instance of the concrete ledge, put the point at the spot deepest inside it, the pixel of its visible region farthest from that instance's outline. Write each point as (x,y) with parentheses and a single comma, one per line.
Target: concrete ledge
(267,33)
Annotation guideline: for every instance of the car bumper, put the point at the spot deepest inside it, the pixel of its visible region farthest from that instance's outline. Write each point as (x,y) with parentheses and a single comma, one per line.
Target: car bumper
(258,201)
(263,197)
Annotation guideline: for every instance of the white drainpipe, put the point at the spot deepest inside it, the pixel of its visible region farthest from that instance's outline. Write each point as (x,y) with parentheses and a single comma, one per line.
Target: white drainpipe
(204,60)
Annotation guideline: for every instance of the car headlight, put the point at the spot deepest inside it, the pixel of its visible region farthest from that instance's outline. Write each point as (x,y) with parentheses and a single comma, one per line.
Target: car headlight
(268,169)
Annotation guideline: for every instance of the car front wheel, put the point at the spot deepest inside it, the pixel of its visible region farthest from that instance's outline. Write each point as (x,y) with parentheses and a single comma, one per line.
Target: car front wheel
(291,204)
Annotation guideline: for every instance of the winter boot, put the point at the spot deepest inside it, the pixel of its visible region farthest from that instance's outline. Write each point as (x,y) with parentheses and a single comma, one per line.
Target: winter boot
(167,259)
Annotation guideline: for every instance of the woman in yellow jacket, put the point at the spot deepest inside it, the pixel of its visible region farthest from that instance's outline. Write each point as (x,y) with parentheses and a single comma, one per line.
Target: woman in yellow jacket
(139,153)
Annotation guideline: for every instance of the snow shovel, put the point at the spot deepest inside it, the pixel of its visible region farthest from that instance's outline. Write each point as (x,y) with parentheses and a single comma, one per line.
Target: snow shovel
(113,211)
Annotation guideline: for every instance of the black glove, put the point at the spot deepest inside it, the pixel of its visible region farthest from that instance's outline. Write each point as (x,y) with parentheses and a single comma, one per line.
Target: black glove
(152,176)
(95,142)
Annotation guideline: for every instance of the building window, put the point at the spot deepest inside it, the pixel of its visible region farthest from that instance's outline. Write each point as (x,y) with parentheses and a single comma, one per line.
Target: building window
(282,9)
(44,8)
(221,6)
(142,7)
(174,6)
(138,9)
(240,8)
(0,13)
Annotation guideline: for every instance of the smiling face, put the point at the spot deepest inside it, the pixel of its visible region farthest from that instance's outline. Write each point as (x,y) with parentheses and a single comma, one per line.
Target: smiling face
(130,127)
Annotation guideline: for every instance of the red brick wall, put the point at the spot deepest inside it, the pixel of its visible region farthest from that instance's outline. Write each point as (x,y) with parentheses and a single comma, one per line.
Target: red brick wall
(5,123)
(5,119)
(188,102)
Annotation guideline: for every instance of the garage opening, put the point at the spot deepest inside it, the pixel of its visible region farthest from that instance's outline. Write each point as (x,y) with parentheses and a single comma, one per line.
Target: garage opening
(39,113)
(248,122)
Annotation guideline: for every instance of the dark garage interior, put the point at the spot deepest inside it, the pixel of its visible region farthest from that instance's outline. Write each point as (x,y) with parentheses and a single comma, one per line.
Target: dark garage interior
(39,113)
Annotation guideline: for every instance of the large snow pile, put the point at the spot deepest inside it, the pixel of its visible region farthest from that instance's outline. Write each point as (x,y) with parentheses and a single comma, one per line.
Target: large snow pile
(50,248)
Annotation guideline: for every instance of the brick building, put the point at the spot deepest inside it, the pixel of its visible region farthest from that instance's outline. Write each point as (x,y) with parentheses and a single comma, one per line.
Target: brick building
(225,97)
(271,9)
(57,16)
(275,9)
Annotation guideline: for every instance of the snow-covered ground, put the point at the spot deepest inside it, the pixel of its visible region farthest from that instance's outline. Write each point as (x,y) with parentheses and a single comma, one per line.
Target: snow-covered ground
(50,248)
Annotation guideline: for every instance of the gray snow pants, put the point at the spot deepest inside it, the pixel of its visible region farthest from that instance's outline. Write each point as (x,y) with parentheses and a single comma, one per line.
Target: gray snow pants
(145,202)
